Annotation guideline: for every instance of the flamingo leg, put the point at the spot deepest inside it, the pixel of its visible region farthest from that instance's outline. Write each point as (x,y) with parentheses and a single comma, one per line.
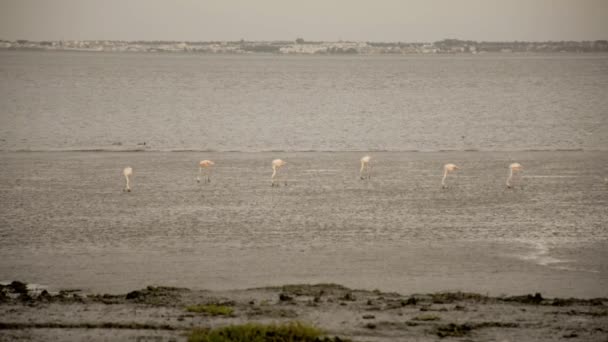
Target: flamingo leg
(361,170)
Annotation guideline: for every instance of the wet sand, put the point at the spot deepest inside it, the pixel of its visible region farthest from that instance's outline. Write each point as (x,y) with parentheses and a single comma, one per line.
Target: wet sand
(160,314)
(65,222)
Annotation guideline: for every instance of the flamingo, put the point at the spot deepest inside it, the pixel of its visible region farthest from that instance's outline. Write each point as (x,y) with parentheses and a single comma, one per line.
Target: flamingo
(276,165)
(447,168)
(365,166)
(127,172)
(513,168)
(204,164)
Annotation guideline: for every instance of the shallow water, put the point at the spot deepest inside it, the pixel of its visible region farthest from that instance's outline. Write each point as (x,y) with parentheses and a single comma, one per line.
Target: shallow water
(118,101)
(65,222)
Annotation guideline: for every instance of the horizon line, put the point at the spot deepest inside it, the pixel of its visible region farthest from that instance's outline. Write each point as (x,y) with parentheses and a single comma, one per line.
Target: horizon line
(306,41)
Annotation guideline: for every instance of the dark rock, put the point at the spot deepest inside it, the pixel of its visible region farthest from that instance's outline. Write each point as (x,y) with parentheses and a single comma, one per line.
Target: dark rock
(25,297)
(285,297)
(370,326)
(18,287)
(596,301)
(44,296)
(369,316)
(135,294)
(409,301)
(349,296)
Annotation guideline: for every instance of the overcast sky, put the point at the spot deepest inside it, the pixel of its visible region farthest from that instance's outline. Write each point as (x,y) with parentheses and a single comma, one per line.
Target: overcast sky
(361,20)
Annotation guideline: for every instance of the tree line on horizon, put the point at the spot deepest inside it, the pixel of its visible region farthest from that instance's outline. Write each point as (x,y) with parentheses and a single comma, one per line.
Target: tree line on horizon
(442,46)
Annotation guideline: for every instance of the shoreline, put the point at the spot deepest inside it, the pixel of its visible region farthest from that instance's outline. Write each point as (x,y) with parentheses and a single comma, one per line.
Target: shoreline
(167,314)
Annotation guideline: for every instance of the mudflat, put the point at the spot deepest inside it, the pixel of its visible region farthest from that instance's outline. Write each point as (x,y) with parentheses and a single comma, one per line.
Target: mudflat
(170,314)
(65,222)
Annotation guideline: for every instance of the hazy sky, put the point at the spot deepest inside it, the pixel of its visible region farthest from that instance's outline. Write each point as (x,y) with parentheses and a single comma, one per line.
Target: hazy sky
(364,20)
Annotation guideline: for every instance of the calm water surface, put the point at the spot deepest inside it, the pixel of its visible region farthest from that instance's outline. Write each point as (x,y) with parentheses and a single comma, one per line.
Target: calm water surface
(64,221)
(66,101)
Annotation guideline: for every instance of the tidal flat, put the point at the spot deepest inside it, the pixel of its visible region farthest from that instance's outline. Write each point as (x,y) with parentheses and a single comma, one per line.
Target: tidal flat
(337,312)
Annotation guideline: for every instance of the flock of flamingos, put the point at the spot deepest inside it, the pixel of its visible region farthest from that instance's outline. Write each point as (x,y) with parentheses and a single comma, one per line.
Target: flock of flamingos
(205,167)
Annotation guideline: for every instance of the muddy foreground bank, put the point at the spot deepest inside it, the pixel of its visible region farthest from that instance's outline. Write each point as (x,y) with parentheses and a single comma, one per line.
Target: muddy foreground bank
(170,314)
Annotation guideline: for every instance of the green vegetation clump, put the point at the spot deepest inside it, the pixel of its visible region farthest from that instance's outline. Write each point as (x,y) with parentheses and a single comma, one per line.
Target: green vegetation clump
(255,332)
(211,309)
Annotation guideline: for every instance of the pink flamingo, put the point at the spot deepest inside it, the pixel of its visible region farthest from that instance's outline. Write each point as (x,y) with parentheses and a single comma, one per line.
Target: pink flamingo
(513,168)
(365,166)
(276,165)
(127,172)
(447,168)
(204,164)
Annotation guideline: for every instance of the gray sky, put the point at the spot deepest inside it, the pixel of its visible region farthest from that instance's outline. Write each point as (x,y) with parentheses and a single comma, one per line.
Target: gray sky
(363,20)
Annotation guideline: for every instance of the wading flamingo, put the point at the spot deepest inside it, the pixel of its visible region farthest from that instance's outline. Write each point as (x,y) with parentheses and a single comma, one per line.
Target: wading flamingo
(447,168)
(206,165)
(127,172)
(365,167)
(513,168)
(276,165)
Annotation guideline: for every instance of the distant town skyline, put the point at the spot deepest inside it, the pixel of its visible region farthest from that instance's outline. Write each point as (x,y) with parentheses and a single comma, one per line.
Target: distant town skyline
(266,20)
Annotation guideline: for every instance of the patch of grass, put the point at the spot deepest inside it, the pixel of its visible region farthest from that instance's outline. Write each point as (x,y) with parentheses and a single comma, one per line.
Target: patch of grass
(254,332)
(211,309)
(426,317)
